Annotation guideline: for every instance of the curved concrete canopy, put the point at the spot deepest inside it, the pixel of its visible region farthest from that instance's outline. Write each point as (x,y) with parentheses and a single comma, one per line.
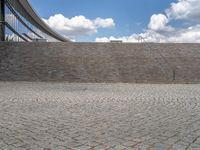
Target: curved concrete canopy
(24,8)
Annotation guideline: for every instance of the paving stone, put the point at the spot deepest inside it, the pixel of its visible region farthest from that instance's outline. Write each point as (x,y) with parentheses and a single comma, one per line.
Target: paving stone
(59,116)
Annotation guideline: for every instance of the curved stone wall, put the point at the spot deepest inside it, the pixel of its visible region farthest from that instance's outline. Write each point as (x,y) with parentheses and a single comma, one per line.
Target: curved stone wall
(100,62)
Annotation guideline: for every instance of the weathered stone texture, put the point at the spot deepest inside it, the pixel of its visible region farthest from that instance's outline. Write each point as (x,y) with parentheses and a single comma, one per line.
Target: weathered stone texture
(100,62)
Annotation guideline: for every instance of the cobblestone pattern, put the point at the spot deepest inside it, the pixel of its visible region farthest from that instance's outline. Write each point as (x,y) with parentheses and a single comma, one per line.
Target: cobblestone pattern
(55,116)
(100,62)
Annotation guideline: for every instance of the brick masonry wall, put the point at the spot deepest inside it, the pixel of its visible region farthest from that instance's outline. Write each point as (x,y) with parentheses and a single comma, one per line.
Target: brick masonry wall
(100,62)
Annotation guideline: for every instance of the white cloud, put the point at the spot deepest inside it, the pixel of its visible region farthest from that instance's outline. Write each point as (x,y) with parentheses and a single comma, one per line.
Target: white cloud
(185,9)
(158,22)
(159,29)
(102,39)
(78,25)
(104,23)
(10,18)
(188,35)
(148,36)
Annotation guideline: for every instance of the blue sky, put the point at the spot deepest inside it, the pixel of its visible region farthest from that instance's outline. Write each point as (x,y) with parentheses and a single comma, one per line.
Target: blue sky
(129,16)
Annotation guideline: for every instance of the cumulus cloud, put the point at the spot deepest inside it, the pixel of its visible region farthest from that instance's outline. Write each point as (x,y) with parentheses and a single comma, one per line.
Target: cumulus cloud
(148,36)
(78,25)
(159,29)
(185,9)
(158,22)
(104,23)
(188,35)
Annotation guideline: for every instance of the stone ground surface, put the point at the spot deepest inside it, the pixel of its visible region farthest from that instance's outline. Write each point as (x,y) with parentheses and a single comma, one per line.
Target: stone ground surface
(62,116)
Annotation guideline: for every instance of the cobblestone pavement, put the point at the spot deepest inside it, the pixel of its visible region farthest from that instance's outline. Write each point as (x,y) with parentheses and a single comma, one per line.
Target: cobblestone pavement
(62,116)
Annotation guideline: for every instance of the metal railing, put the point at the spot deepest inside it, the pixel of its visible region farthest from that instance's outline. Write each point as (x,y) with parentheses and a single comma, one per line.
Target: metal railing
(148,46)
(16,25)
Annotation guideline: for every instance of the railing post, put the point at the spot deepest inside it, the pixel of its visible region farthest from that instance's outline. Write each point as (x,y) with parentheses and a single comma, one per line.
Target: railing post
(174,75)
(2,20)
